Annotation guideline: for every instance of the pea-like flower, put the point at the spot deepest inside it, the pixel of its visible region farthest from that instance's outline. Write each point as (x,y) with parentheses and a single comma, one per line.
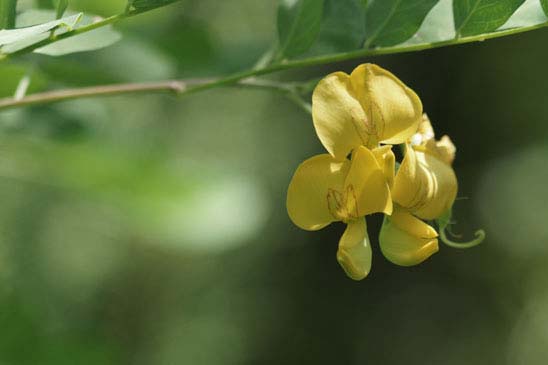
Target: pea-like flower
(325,190)
(353,115)
(425,184)
(424,187)
(367,107)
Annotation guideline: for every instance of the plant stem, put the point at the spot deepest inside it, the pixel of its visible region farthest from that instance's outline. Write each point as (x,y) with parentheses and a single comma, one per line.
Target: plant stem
(320,60)
(480,236)
(176,87)
(84,29)
(184,88)
(172,86)
(289,90)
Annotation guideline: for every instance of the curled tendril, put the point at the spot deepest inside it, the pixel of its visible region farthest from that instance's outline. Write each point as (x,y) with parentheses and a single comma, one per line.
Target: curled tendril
(480,236)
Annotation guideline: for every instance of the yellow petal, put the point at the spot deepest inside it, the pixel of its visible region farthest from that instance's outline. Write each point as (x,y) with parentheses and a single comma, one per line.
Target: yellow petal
(367,184)
(387,161)
(392,109)
(446,149)
(339,119)
(406,240)
(307,195)
(354,254)
(424,184)
(424,140)
(425,128)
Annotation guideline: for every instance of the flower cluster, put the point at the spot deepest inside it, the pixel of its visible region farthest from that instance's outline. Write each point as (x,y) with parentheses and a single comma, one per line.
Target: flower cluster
(358,117)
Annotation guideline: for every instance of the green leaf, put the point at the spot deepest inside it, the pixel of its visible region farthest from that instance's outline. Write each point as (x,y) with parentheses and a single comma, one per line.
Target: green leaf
(61,8)
(11,36)
(342,27)
(89,41)
(480,16)
(149,4)
(34,17)
(7,13)
(529,14)
(437,26)
(544,4)
(298,25)
(339,29)
(390,22)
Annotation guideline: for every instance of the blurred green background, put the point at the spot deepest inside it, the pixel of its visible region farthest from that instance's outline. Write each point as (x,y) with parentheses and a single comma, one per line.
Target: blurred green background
(152,230)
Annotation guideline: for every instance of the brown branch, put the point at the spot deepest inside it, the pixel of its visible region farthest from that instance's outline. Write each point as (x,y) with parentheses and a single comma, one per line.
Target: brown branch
(172,86)
(175,87)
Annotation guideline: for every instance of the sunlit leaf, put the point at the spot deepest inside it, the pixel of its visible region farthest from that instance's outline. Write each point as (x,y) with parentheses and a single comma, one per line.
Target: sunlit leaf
(529,14)
(479,16)
(437,26)
(88,41)
(298,25)
(12,36)
(389,22)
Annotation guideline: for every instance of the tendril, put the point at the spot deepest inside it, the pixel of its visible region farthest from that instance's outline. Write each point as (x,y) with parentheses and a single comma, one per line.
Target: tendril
(480,236)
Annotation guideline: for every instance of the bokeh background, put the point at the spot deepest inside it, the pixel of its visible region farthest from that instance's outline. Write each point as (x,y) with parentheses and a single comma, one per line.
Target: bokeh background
(152,230)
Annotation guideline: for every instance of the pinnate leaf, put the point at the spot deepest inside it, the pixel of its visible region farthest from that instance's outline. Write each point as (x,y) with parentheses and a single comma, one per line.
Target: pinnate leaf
(390,22)
(342,28)
(473,17)
(298,25)
(11,36)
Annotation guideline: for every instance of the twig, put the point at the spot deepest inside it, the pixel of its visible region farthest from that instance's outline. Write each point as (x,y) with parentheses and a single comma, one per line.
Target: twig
(173,86)
(182,88)
(176,87)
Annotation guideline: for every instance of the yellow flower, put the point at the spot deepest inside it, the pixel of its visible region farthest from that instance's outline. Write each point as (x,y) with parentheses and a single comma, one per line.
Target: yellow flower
(325,190)
(406,240)
(354,114)
(367,107)
(425,184)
